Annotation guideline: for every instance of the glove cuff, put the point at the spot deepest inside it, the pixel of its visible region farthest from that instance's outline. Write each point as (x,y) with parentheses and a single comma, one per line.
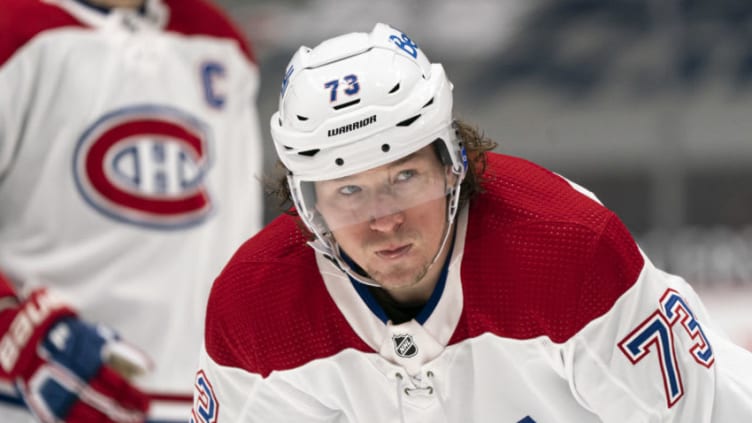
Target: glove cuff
(22,329)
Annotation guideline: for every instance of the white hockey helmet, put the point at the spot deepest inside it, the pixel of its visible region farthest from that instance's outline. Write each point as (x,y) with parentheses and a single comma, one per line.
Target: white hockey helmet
(356,102)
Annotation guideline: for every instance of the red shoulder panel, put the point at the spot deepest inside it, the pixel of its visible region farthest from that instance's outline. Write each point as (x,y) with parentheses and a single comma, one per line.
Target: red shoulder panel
(262,319)
(541,259)
(21,20)
(200,17)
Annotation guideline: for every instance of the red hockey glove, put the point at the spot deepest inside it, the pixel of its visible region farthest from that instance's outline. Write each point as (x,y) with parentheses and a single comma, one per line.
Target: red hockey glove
(65,369)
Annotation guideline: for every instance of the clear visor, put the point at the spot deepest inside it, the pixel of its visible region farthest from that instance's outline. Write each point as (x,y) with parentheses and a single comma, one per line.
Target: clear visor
(376,196)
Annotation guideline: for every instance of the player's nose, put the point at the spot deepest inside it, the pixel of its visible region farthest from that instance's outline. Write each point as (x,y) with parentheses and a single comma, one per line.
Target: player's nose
(388,222)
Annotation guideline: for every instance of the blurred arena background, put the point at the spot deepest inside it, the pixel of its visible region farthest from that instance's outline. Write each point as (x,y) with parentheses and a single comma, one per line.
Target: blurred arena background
(648,103)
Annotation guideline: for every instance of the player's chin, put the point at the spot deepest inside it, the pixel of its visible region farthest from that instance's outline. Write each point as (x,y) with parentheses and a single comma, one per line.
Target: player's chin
(399,278)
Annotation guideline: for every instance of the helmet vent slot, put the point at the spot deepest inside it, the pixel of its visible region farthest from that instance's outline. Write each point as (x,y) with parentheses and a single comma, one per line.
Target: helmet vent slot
(394,89)
(302,118)
(348,104)
(309,153)
(408,121)
(430,102)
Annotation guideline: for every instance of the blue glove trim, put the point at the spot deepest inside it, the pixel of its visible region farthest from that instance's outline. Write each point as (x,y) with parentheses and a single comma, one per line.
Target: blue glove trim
(76,346)
(57,397)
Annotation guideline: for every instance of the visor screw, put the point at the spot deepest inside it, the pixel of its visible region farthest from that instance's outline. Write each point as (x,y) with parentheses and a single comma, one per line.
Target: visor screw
(339,161)
(385,148)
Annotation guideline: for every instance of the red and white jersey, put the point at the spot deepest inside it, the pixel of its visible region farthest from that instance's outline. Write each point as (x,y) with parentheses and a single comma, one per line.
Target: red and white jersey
(548,312)
(130,156)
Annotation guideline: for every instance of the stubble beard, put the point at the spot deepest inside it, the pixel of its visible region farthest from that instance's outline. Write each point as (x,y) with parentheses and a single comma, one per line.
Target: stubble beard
(393,280)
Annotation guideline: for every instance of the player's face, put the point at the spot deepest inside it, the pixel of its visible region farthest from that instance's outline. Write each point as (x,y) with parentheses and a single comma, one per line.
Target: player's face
(390,220)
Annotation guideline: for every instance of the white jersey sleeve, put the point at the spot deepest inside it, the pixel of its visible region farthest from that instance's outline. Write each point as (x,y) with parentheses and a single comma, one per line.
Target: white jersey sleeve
(246,397)
(656,357)
(216,384)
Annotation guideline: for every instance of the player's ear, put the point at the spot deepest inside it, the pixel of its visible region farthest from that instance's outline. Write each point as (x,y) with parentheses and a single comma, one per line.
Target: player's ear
(450,177)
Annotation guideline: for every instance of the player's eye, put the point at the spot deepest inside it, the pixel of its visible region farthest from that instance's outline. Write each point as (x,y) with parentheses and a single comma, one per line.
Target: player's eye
(349,190)
(405,175)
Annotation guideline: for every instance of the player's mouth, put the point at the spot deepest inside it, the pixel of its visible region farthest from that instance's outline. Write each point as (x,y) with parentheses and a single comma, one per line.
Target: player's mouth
(393,253)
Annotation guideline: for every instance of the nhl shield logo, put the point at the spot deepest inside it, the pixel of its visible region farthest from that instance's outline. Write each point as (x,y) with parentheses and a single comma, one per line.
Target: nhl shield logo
(404,345)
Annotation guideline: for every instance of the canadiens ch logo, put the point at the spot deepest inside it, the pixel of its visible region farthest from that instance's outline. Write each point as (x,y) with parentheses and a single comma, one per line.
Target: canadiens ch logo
(145,165)
(404,345)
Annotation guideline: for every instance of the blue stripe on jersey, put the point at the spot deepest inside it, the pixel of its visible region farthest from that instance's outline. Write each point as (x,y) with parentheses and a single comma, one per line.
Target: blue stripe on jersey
(16,401)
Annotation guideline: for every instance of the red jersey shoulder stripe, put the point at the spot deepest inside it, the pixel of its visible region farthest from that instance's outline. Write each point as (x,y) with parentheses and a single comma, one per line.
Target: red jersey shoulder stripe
(200,17)
(22,20)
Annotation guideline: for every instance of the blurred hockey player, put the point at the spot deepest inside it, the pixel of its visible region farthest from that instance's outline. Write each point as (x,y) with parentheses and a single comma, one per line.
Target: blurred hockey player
(446,283)
(129,148)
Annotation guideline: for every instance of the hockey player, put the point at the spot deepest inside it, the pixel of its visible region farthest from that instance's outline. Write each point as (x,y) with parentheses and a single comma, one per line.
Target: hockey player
(446,283)
(125,126)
